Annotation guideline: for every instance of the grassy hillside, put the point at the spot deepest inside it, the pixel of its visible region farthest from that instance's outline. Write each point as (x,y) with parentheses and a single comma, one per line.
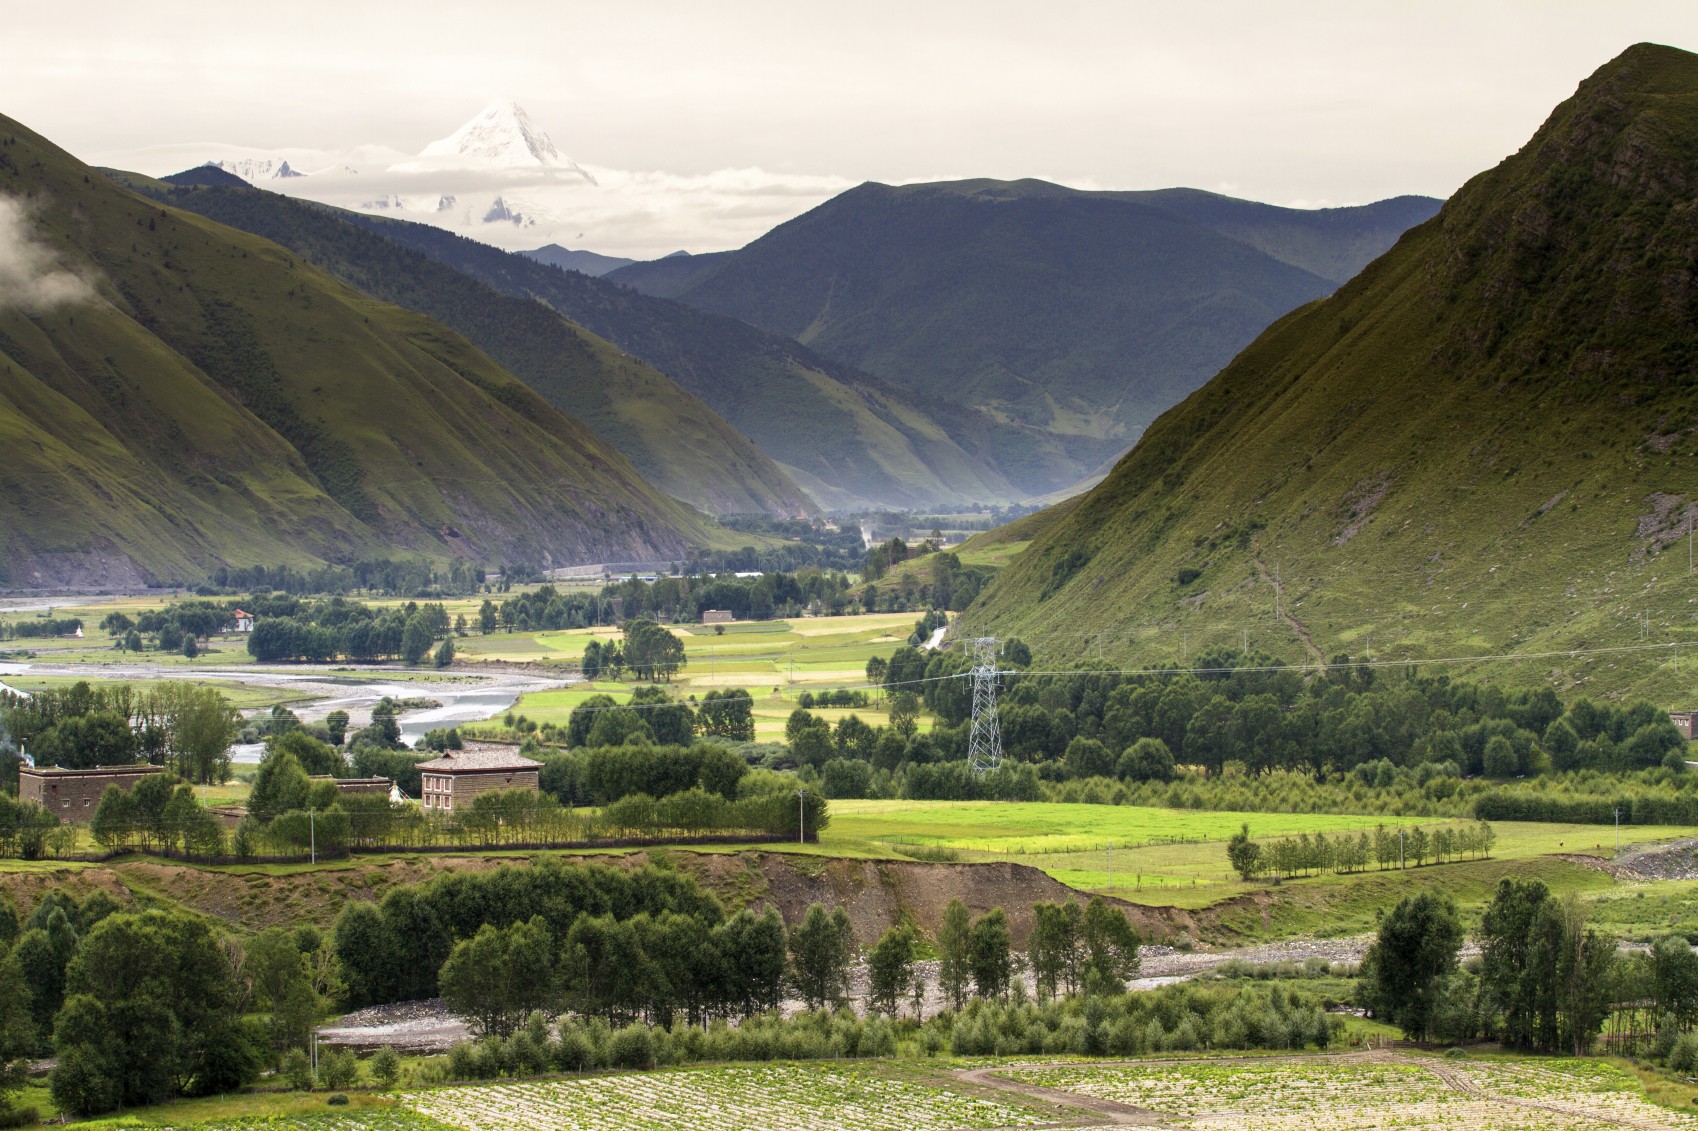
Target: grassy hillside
(1483,444)
(850,439)
(676,442)
(1083,313)
(174,394)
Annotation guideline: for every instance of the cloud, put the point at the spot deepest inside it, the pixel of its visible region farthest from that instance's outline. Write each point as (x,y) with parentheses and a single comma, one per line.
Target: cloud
(30,277)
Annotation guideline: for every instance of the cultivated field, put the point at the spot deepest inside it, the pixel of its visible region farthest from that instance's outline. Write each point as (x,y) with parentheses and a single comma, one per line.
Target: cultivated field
(1362,1092)
(1378,1091)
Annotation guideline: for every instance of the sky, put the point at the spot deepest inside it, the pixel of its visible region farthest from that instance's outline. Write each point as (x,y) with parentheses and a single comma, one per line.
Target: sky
(707,123)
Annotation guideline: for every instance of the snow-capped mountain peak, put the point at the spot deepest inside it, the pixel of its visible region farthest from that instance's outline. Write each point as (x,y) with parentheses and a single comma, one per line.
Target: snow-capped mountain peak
(501,136)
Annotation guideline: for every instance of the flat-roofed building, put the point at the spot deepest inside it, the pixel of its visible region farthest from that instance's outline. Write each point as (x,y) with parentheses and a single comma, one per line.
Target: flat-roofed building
(451,781)
(75,794)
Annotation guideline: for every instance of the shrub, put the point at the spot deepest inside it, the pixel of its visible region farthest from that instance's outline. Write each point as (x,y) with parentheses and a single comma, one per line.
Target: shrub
(386,1067)
(631,1047)
(338,1068)
(297,1070)
(337,1099)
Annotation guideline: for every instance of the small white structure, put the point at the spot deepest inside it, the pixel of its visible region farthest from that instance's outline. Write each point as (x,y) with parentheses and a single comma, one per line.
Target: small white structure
(244,621)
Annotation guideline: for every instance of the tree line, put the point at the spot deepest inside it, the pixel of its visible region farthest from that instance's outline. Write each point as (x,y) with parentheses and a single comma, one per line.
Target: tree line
(1386,848)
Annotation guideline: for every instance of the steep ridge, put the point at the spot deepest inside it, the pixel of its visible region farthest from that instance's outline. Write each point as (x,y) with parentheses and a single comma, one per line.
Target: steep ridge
(676,442)
(1485,443)
(1084,313)
(850,439)
(175,394)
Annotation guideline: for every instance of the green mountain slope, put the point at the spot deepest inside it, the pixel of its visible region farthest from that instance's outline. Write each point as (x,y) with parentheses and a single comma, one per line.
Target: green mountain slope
(850,439)
(1485,443)
(1084,313)
(175,394)
(678,444)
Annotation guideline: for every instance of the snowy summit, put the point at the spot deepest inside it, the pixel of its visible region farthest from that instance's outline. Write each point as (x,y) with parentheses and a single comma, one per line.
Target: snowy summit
(501,136)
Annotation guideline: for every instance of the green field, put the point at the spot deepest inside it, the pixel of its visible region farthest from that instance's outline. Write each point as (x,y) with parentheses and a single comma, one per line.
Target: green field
(775,661)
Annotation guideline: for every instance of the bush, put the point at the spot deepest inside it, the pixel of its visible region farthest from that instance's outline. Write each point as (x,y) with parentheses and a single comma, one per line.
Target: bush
(297,1070)
(386,1067)
(337,1099)
(19,1117)
(338,1068)
(1683,1058)
(631,1047)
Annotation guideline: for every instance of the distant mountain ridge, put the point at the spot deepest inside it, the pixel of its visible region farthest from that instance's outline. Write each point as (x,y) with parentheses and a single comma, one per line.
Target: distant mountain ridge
(1484,444)
(1083,313)
(587,262)
(176,394)
(850,440)
(677,443)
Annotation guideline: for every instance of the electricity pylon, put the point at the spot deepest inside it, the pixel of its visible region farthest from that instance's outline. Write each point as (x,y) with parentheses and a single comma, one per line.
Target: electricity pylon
(984,751)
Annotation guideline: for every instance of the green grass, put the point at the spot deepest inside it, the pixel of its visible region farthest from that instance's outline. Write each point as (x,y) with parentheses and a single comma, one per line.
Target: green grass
(242,696)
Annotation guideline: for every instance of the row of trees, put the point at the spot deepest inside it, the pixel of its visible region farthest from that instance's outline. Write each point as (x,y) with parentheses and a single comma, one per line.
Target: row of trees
(652,715)
(1387,848)
(327,630)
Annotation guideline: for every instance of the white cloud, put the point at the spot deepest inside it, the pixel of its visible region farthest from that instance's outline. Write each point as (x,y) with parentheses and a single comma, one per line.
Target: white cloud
(30,277)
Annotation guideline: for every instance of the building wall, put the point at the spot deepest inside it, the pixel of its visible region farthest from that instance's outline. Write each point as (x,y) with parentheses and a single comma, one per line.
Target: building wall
(1683,721)
(453,791)
(74,797)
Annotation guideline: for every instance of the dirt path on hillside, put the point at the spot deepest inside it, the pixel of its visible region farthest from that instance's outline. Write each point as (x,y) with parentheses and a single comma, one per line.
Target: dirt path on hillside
(1285,616)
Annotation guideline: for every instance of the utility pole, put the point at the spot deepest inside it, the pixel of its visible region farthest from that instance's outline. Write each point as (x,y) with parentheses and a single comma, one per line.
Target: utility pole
(312,833)
(1111,865)
(801,816)
(1400,848)
(984,748)
(1618,829)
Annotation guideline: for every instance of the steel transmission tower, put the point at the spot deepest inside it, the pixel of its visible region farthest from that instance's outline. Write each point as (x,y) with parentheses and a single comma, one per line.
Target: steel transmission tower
(984,752)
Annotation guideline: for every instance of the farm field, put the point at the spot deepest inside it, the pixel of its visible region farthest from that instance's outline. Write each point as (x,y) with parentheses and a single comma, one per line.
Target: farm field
(1350,1093)
(775,661)
(1303,1092)
(779,1097)
(1173,857)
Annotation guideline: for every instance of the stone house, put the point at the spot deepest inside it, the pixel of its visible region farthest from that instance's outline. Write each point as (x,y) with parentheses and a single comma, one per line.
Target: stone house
(717,616)
(451,781)
(75,794)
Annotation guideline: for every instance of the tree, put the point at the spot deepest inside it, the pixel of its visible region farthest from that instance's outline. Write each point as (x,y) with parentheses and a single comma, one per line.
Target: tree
(591,666)
(199,725)
(1110,949)
(416,639)
(1053,948)
(152,1009)
(190,648)
(44,952)
(651,651)
(890,968)
(990,954)
(280,785)
(18,1039)
(317,758)
(1087,758)
(821,949)
(1414,954)
(1499,760)
(1147,759)
(1244,854)
(954,971)
(500,975)
(336,722)
(754,948)
(486,617)
(445,652)
(729,714)
(386,1067)
(905,713)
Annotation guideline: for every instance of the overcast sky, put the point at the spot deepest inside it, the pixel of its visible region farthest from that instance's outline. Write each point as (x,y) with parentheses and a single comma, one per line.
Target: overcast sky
(1292,103)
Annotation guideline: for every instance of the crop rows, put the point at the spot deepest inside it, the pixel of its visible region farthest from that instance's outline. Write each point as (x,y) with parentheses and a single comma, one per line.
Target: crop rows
(368,1119)
(759,1098)
(1406,1095)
